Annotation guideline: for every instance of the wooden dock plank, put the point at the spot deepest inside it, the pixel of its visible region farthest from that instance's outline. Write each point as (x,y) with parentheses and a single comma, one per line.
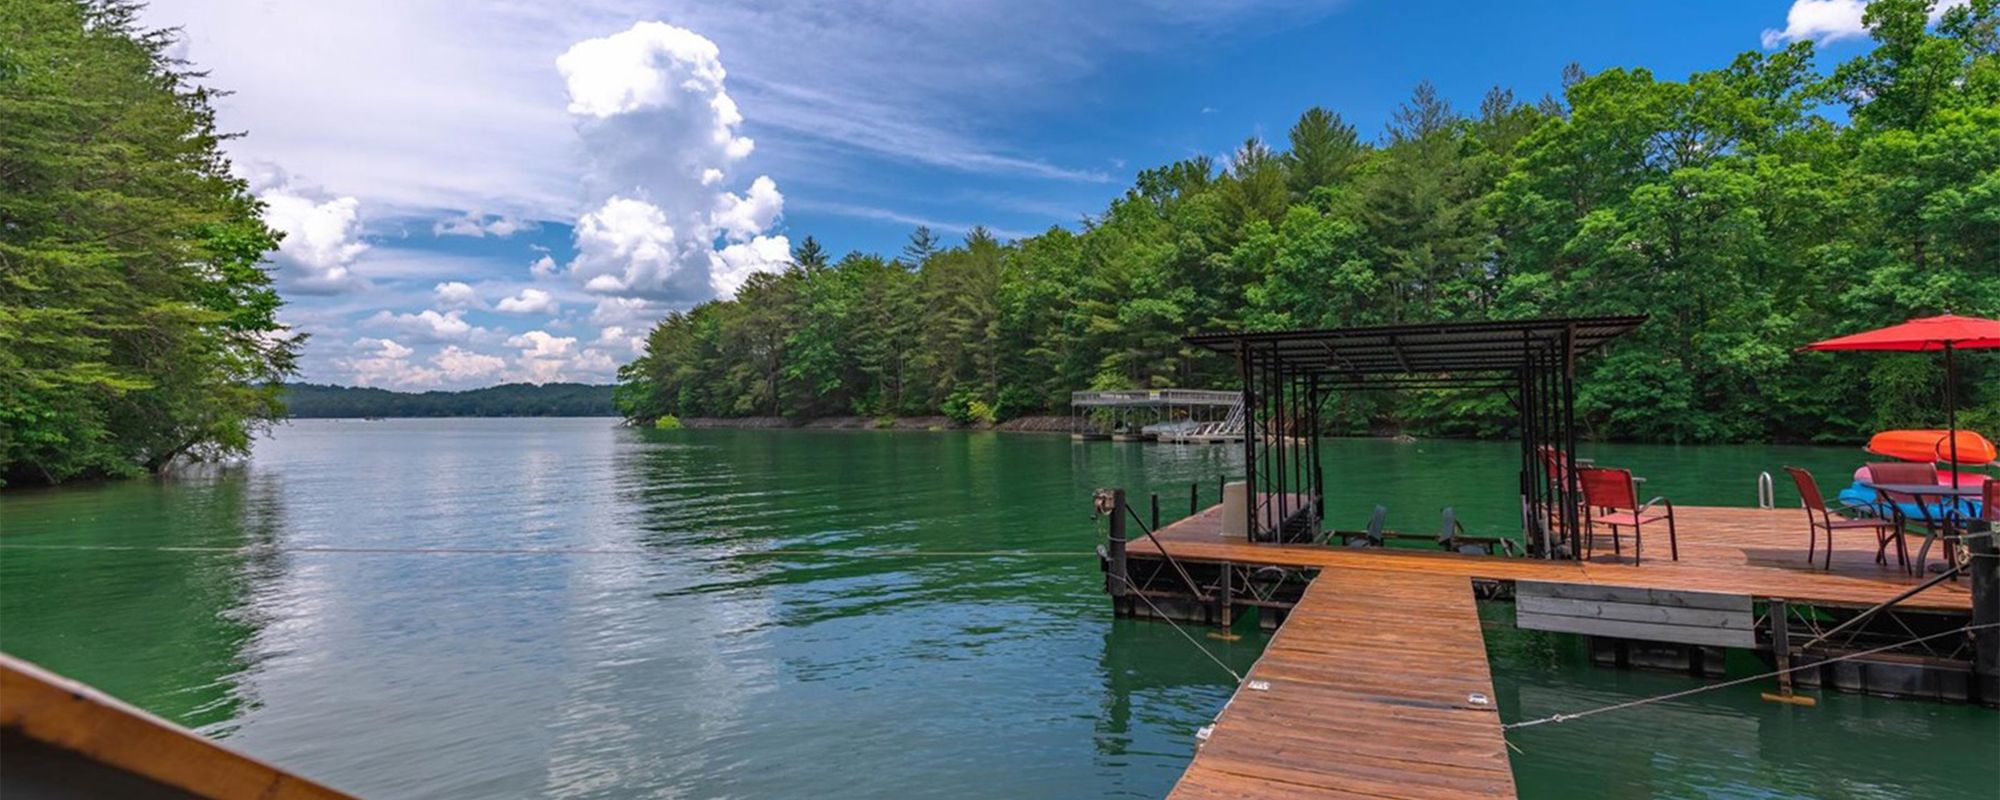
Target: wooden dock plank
(1758,553)
(1369,683)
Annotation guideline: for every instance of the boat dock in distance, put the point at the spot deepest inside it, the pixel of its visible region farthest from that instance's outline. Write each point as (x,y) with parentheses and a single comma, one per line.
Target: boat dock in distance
(1376,682)
(1185,416)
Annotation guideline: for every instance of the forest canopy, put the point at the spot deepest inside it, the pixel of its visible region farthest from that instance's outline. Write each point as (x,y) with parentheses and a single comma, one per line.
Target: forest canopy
(505,400)
(1749,210)
(137,317)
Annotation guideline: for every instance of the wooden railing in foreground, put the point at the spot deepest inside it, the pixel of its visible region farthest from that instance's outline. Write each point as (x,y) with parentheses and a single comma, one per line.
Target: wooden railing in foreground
(46,716)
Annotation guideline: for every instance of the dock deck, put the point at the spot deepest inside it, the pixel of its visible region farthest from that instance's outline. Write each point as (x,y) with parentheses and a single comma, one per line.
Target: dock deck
(1371,683)
(1755,552)
(1372,672)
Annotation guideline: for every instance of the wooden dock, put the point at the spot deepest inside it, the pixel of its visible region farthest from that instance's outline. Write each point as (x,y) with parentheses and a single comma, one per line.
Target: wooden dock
(1376,686)
(1759,553)
(1370,687)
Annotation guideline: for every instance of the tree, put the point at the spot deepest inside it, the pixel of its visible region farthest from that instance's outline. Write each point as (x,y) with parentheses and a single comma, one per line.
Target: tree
(923,244)
(137,321)
(809,255)
(1324,152)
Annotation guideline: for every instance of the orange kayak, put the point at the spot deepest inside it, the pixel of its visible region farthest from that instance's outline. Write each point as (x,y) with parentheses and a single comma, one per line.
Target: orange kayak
(1932,447)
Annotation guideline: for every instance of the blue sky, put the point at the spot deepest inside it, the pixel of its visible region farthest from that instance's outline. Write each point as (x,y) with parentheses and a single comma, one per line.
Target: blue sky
(511,190)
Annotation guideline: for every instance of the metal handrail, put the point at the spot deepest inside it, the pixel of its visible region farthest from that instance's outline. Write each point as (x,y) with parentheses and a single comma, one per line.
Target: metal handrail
(1124,397)
(1767,495)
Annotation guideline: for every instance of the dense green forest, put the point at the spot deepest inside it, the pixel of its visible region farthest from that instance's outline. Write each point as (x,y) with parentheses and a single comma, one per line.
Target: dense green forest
(1749,210)
(137,319)
(505,400)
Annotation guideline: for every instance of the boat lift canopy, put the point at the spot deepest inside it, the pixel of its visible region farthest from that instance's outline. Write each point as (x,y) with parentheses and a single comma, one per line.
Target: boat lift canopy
(1288,375)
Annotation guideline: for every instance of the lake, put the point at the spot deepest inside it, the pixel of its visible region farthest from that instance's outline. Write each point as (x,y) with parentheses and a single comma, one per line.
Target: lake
(567,608)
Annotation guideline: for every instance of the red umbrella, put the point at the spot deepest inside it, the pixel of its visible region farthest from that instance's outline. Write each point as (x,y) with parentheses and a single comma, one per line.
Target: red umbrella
(1948,333)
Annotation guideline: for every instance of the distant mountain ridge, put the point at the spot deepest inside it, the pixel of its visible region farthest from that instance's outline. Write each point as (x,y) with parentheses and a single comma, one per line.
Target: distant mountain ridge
(312,400)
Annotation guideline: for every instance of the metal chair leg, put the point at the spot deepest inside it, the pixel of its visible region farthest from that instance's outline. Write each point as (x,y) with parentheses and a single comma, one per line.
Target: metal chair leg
(1674,539)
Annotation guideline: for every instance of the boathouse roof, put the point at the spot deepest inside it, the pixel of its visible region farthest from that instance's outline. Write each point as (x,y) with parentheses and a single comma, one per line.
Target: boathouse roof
(1424,349)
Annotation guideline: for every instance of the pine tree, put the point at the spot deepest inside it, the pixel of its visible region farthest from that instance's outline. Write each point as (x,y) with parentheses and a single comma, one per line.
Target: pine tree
(1324,152)
(923,244)
(808,255)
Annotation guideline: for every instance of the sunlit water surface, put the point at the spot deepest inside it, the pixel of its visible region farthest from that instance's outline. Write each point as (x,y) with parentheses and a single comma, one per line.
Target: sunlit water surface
(740,614)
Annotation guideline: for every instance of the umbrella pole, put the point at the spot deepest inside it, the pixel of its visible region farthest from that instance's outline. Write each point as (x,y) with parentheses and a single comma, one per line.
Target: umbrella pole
(1951,409)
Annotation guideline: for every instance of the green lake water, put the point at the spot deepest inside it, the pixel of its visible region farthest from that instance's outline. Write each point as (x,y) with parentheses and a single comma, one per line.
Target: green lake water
(716,626)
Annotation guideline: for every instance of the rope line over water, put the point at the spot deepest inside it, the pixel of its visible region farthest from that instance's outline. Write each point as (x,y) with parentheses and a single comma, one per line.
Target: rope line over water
(1738,681)
(1183,632)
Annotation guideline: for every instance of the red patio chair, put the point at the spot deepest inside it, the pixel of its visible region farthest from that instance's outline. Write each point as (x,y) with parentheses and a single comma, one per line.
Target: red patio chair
(1610,497)
(1557,466)
(1819,518)
(1932,516)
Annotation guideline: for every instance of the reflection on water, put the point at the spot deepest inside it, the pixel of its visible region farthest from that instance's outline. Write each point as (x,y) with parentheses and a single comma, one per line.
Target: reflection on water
(740,614)
(167,631)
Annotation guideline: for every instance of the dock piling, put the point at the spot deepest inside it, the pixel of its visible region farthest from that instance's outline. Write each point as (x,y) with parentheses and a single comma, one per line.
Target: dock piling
(1983,558)
(1115,546)
(1224,588)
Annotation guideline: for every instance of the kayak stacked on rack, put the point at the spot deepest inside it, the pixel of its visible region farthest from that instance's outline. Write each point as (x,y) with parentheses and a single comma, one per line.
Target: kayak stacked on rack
(1927,447)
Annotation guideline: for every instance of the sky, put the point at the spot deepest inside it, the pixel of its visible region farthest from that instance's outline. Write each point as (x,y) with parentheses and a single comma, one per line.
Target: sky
(484,191)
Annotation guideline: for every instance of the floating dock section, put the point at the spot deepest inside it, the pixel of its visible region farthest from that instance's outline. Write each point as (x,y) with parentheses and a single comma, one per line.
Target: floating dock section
(1376,686)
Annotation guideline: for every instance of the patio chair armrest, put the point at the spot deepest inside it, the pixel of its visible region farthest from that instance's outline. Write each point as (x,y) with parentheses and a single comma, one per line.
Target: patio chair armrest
(1661,500)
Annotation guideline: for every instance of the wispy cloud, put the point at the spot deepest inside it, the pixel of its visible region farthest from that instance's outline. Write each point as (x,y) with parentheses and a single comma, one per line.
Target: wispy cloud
(912,220)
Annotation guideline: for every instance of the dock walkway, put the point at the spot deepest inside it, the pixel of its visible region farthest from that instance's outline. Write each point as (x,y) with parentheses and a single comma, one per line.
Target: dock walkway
(1373,671)
(1375,682)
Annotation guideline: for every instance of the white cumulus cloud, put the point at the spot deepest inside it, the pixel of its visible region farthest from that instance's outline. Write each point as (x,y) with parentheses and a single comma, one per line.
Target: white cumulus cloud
(462,366)
(322,235)
(427,325)
(529,301)
(659,130)
(1825,21)
(732,265)
(542,344)
(626,311)
(745,217)
(386,363)
(456,294)
(622,338)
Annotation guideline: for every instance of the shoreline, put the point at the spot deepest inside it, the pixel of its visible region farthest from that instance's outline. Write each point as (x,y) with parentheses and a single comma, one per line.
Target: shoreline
(1028,424)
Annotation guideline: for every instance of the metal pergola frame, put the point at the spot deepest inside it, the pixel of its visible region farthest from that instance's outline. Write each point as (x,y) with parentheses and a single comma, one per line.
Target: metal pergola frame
(1288,376)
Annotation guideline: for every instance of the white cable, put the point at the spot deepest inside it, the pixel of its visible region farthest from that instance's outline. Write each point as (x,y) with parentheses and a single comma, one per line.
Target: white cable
(1737,682)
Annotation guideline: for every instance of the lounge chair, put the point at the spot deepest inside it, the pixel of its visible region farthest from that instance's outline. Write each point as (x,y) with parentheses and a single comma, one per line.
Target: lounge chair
(1372,536)
(1453,538)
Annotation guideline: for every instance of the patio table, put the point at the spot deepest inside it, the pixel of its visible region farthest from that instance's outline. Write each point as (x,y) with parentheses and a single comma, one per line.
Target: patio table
(1921,491)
